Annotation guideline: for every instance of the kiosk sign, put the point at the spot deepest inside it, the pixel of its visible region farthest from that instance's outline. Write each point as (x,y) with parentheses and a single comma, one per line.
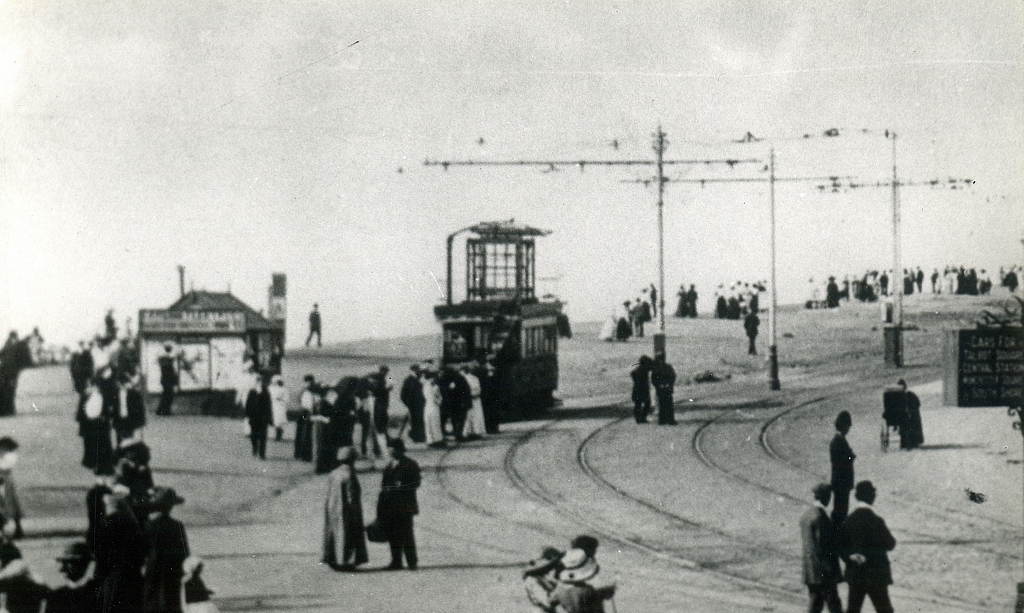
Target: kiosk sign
(184,322)
(984,367)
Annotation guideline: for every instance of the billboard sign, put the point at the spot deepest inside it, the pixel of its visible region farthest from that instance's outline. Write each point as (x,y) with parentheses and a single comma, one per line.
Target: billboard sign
(184,322)
(984,367)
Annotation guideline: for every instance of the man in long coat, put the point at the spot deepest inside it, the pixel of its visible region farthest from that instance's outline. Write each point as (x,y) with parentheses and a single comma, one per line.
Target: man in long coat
(821,553)
(344,544)
(120,554)
(168,380)
(397,505)
(641,396)
(842,457)
(412,397)
(259,413)
(14,357)
(168,548)
(911,430)
(866,543)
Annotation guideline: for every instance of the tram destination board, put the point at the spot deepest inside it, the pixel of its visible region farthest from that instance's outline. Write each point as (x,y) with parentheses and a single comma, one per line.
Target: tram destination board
(984,367)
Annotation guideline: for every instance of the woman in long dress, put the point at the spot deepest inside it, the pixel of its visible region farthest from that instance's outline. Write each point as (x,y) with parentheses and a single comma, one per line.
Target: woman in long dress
(278,405)
(344,545)
(475,427)
(432,410)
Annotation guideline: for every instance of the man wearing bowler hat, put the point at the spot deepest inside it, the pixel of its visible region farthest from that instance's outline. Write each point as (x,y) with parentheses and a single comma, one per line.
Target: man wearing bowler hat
(867,542)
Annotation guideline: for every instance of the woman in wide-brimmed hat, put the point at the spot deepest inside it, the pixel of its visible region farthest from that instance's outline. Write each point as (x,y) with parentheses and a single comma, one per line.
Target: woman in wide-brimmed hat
(573,594)
(168,548)
(344,544)
(540,578)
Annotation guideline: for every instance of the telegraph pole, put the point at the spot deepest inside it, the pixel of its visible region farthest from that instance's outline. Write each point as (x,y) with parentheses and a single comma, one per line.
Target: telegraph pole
(659,146)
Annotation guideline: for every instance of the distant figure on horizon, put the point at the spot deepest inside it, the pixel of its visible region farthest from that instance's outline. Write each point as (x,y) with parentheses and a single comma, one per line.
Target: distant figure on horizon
(750,324)
(842,457)
(314,325)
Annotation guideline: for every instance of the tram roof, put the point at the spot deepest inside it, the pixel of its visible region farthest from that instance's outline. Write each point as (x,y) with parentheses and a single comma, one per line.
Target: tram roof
(506,229)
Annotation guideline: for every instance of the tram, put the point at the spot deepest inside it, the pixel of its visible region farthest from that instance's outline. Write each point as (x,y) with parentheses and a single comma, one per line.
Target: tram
(502,321)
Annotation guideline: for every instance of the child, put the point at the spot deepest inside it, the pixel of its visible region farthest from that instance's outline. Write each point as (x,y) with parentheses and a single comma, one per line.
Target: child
(539,579)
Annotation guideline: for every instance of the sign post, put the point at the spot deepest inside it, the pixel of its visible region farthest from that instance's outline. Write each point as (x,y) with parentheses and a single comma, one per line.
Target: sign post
(985,368)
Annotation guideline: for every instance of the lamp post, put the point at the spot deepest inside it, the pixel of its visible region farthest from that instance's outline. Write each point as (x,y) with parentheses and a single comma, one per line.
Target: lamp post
(659,149)
(894,332)
(773,349)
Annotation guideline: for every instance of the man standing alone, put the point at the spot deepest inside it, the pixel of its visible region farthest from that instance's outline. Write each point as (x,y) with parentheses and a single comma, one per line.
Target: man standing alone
(168,380)
(842,458)
(314,325)
(867,541)
(750,324)
(412,397)
(396,505)
(820,554)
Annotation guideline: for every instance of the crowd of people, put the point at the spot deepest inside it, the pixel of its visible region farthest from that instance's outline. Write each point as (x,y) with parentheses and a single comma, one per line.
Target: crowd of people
(452,404)
(739,300)
(873,285)
(133,555)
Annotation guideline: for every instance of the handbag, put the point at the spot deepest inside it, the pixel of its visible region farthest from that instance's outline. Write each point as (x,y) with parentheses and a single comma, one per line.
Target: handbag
(375,532)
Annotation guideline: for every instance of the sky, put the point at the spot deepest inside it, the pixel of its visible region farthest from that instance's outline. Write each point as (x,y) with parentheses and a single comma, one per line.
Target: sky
(239,139)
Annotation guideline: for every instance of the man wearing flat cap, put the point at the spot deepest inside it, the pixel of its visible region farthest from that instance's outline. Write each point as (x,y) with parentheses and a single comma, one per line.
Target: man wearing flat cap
(397,505)
(820,553)
(867,541)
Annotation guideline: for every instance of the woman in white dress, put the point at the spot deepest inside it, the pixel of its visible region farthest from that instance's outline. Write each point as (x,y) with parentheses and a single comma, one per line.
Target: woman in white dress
(432,410)
(278,405)
(474,428)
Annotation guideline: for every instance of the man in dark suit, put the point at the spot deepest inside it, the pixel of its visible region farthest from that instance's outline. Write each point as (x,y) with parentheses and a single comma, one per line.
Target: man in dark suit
(866,541)
(314,325)
(821,553)
(412,397)
(396,505)
(663,378)
(842,457)
(168,380)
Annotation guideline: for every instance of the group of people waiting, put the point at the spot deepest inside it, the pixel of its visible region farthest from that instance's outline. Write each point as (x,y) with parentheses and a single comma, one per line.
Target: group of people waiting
(563,581)
(630,319)
(454,403)
(739,300)
(874,284)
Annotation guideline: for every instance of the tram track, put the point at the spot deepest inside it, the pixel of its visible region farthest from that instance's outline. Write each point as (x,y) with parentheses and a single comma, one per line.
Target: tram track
(535,489)
(918,506)
(924,538)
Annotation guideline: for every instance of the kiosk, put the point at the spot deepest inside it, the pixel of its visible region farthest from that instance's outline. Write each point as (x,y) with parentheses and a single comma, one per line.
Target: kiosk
(217,342)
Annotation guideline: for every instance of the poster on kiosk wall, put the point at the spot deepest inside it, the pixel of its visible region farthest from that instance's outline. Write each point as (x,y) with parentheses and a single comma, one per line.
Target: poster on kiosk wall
(227,363)
(194,367)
